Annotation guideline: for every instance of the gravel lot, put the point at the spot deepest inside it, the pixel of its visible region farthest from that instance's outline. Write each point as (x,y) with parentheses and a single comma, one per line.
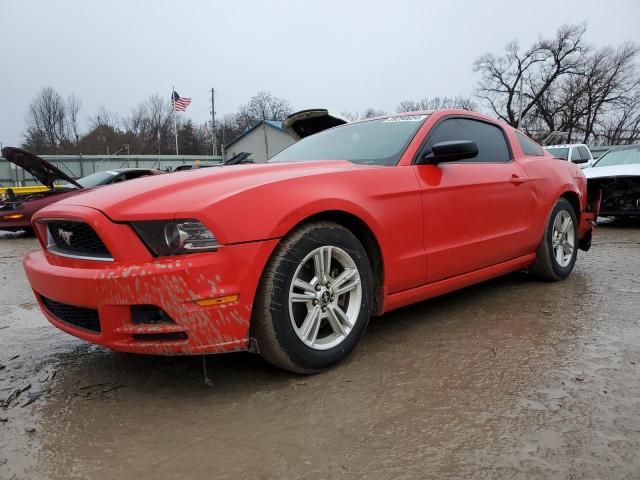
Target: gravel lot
(508,379)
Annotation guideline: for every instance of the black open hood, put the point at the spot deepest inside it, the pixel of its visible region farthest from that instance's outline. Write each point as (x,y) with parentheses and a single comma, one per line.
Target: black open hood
(42,170)
(307,122)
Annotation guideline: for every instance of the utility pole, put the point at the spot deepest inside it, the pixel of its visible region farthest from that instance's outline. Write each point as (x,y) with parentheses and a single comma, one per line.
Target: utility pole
(520,104)
(213,121)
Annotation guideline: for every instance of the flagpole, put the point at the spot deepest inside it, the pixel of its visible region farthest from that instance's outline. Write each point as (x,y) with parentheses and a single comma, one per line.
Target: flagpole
(175,122)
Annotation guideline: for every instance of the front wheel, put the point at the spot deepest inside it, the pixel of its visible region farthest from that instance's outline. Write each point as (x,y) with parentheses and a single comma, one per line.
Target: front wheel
(558,250)
(314,300)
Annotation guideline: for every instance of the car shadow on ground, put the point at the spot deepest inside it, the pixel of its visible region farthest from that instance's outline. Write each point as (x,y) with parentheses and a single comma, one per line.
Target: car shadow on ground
(620,222)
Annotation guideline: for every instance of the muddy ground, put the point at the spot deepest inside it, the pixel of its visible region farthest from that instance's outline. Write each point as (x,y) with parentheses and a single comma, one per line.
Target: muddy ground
(508,379)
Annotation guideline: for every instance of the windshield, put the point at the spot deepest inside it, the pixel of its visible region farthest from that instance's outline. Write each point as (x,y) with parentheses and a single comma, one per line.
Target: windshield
(622,156)
(559,152)
(95,179)
(373,142)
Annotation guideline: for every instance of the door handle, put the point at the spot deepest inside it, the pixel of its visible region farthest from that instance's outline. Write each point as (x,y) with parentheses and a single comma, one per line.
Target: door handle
(516,180)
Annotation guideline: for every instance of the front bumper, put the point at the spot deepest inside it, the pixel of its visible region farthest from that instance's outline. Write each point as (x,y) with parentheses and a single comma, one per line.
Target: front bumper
(173,284)
(585,230)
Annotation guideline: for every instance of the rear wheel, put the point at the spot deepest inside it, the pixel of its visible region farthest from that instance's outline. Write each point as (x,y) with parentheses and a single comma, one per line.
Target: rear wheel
(558,250)
(314,301)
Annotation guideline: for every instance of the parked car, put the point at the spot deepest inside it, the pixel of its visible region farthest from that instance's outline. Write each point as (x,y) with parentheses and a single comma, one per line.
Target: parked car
(598,150)
(16,209)
(616,174)
(576,152)
(181,168)
(291,258)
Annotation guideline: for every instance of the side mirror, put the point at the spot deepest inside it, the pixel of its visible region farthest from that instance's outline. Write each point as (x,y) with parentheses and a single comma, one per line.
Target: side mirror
(450,152)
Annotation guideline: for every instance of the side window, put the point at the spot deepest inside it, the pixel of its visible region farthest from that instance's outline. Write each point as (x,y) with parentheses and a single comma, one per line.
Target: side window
(529,147)
(584,153)
(492,145)
(575,154)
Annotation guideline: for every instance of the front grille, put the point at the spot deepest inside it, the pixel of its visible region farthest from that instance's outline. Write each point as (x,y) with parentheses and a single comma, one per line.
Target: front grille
(76,239)
(81,317)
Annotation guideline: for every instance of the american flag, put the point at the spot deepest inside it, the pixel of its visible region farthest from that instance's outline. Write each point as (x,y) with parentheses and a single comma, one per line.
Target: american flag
(179,103)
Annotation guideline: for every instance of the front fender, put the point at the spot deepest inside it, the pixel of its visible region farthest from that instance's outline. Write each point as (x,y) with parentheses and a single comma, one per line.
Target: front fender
(317,207)
(386,199)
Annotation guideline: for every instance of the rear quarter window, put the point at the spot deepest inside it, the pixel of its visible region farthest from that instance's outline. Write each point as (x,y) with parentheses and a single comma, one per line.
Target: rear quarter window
(529,147)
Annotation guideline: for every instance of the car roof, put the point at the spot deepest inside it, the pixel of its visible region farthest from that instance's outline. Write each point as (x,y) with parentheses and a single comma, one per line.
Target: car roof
(443,112)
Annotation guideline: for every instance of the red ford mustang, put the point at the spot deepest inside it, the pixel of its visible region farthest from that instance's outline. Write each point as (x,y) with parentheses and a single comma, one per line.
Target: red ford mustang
(290,258)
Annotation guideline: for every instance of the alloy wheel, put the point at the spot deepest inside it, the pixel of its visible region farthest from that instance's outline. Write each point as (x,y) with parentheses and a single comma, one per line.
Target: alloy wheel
(325,297)
(563,238)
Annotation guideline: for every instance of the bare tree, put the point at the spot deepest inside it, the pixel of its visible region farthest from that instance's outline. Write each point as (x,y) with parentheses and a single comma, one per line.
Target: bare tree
(73,107)
(435,103)
(46,121)
(372,112)
(262,106)
(105,118)
(609,78)
(579,104)
(148,120)
(227,129)
(368,113)
(532,71)
(622,125)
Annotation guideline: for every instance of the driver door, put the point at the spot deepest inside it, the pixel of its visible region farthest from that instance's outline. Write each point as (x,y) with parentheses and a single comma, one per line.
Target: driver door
(476,210)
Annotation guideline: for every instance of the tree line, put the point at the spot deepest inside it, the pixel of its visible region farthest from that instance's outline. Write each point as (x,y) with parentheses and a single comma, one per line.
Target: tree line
(52,126)
(560,83)
(564,84)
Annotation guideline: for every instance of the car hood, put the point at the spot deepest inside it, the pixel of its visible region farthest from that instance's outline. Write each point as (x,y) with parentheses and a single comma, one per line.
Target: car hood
(164,196)
(612,171)
(41,170)
(307,122)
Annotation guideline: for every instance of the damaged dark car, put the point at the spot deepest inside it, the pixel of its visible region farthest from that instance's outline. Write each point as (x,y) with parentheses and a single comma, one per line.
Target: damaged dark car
(614,180)
(16,210)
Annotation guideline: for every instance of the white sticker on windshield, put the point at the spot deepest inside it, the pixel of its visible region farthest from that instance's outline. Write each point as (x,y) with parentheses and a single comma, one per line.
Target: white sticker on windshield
(111,172)
(406,118)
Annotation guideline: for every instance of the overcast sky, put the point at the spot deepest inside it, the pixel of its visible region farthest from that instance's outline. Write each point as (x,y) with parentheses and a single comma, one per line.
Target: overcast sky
(344,55)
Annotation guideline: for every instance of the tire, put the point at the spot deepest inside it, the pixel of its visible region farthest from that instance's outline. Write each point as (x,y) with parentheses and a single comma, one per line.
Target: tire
(296,325)
(553,262)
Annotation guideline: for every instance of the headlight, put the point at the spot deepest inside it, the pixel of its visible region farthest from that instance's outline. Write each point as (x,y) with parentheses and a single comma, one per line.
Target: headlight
(174,237)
